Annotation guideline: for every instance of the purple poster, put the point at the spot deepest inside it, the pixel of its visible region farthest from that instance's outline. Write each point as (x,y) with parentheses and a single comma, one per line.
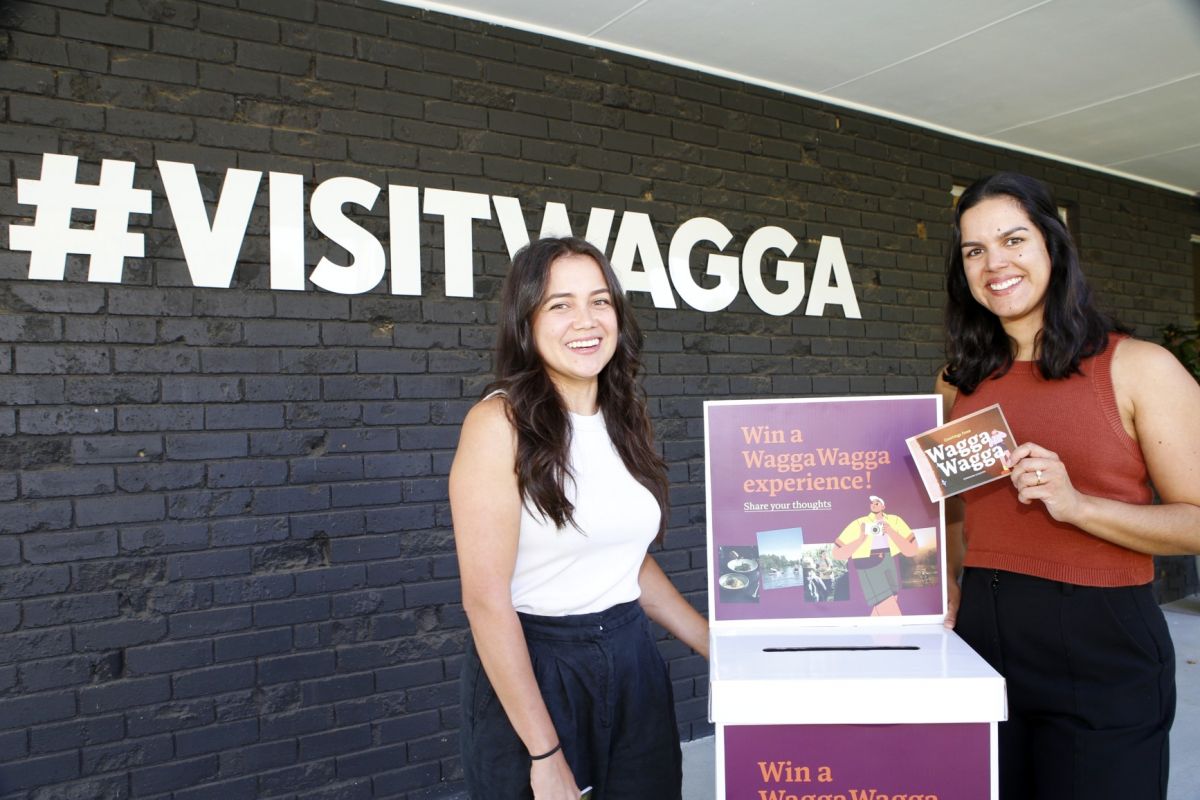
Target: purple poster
(816,510)
(858,762)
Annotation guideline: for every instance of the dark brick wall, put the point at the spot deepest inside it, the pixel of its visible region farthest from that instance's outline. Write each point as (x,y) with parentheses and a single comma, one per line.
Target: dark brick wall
(226,562)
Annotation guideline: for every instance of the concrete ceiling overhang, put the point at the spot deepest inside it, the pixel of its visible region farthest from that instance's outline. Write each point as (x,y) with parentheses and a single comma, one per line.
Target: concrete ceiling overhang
(1112,85)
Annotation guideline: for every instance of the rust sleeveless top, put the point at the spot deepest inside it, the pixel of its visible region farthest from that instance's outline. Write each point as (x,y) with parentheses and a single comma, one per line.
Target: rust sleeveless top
(1077,418)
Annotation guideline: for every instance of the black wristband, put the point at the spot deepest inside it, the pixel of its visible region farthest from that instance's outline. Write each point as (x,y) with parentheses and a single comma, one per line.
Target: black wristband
(548,753)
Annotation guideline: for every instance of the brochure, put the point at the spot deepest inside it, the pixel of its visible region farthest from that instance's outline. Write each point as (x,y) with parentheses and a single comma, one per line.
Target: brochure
(964,453)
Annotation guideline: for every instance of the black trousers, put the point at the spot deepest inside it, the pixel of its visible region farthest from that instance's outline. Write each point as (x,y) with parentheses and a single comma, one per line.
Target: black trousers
(607,690)
(1090,676)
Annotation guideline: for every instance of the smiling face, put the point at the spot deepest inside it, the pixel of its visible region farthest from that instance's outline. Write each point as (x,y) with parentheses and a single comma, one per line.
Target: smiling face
(575,327)
(1006,263)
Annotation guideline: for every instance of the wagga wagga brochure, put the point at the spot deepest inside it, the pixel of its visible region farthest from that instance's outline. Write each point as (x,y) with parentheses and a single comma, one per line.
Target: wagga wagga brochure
(964,453)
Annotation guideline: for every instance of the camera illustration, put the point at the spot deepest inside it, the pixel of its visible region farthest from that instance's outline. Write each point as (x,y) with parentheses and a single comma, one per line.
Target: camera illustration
(875,529)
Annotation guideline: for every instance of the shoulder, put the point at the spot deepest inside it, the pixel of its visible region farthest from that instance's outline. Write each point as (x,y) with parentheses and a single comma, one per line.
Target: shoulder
(1138,365)
(488,432)
(487,450)
(1153,389)
(1134,353)
(489,418)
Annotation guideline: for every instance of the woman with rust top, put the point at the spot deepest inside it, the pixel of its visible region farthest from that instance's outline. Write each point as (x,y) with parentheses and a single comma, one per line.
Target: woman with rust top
(1056,563)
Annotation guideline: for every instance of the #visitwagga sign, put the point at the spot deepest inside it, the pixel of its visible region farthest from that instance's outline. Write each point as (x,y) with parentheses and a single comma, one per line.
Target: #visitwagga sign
(211,247)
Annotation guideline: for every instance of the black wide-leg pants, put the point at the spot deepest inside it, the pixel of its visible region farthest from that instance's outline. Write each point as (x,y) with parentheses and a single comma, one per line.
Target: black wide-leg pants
(1090,676)
(607,690)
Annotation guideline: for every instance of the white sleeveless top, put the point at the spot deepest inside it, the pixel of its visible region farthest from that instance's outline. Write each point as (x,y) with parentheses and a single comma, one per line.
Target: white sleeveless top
(580,571)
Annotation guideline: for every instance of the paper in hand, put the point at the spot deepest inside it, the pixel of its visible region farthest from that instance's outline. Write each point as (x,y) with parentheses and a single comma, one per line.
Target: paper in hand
(964,453)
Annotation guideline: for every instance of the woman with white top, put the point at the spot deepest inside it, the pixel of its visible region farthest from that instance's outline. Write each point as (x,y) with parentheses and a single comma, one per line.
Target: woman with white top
(556,492)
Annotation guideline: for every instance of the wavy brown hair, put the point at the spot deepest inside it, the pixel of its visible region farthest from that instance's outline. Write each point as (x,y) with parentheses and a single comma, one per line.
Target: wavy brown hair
(1073,328)
(536,409)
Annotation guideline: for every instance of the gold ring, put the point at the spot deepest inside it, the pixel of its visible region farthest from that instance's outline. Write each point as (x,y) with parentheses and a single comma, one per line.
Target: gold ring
(1038,473)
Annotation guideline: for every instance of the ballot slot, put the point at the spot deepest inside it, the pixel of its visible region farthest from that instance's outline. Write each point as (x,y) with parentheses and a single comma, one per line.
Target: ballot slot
(839,648)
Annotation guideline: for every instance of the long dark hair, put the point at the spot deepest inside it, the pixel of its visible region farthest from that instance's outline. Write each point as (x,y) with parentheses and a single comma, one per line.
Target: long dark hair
(1072,327)
(535,407)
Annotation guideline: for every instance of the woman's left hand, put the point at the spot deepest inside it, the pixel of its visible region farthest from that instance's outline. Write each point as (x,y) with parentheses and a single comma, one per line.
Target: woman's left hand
(1039,474)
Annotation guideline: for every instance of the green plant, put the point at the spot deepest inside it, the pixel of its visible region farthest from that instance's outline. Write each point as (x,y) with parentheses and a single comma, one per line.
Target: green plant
(1185,345)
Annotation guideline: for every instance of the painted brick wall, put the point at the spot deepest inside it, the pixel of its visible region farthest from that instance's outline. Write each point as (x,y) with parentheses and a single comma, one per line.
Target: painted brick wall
(226,563)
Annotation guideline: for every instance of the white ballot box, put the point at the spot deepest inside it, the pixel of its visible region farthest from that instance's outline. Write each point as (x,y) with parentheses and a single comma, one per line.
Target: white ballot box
(866,713)
(832,677)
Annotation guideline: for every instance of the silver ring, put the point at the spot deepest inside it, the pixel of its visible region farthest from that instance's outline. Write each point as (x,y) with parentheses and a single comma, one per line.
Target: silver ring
(1038,473)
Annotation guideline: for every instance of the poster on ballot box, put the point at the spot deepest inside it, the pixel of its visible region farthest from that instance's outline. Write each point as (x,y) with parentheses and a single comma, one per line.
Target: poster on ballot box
(817,513)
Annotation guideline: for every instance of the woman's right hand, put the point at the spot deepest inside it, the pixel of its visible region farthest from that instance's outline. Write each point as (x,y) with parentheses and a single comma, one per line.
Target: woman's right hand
(551,779)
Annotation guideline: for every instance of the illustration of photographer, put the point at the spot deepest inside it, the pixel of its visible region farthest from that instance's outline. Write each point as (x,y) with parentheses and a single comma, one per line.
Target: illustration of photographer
(870,544)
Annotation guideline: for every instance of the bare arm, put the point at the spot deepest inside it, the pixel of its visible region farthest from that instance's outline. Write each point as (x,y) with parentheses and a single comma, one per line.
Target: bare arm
(1160,405)
(956,550)
(663,603)
(486,508)
(956,545)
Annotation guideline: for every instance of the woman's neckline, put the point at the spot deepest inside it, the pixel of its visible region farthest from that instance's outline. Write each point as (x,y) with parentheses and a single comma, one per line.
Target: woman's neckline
(587,421)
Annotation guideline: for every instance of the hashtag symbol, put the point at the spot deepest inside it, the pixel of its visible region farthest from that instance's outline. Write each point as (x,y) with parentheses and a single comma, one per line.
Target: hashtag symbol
(51,236)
